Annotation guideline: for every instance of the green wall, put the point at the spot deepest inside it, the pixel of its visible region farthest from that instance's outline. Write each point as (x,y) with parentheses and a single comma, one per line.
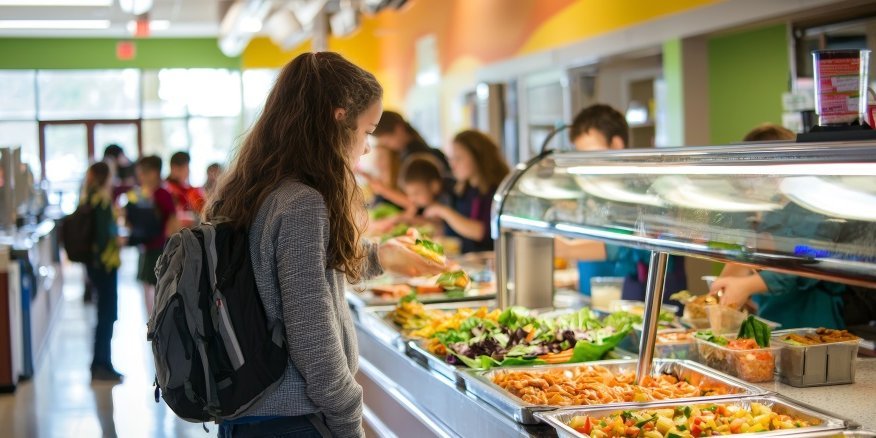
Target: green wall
(748,72)
(673,77)
(99,53)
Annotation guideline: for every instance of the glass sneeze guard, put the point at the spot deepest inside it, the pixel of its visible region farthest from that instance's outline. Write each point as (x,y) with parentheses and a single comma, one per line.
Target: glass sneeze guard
(808,209)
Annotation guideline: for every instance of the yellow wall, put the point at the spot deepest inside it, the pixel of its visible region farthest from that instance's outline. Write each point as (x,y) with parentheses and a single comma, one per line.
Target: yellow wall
(471,34)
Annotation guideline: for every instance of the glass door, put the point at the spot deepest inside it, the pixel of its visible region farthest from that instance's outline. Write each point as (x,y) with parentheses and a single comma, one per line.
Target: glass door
(124,134)
(69,147)
(65,157)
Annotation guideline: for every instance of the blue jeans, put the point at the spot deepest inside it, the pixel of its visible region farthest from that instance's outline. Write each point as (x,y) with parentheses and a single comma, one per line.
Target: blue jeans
(106,285)
(283,427)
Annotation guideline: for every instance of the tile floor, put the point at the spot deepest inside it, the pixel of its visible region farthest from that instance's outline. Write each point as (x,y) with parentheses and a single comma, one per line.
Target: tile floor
(61,401)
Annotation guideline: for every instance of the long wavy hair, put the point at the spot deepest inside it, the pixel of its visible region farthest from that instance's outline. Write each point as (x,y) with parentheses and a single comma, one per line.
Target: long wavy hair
(298,136)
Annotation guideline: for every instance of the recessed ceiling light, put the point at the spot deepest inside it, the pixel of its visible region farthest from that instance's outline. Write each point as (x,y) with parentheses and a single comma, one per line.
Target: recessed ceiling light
(54,24)
(153,25)
(96,3)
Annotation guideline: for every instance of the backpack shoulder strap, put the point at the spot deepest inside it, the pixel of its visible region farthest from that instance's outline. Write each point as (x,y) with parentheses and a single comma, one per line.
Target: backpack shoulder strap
(210,248)
(189,283)
(219,312)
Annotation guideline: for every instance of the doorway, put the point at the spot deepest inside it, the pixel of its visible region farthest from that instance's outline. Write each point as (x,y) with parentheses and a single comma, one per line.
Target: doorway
(68,147)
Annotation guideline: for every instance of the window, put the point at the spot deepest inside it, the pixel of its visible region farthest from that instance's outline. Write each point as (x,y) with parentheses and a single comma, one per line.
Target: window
(163,137)
(213,92)
(122,134)
(19,95)
(66,156)
(212,141)
(89,94)
(256,86)
(200,110)
(26,135)
(161,94)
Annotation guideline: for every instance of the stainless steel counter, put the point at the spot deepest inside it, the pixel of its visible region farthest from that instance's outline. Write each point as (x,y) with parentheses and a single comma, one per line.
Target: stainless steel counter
(856,401)
(392,378)
(404,398)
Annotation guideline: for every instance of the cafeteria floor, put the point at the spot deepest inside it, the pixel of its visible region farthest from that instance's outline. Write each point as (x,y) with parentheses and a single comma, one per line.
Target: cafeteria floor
(61,400)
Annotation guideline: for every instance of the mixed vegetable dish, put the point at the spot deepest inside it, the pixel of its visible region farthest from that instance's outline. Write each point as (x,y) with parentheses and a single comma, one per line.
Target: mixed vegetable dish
(689,421)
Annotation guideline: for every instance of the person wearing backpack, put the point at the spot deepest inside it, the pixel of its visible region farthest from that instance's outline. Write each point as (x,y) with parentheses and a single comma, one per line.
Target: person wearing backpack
(151,218)
(103,267)
(293,188)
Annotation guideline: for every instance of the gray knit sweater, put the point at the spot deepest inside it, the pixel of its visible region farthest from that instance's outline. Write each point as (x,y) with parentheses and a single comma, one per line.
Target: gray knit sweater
(288,243)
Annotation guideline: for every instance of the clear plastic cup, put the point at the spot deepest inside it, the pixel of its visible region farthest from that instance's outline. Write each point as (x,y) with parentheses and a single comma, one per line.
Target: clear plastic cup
(604,290)
(840,86)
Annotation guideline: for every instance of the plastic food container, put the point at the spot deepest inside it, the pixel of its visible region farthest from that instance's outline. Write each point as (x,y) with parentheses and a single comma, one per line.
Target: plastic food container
(667,348)
(723,319)
(816,365)
(755,365)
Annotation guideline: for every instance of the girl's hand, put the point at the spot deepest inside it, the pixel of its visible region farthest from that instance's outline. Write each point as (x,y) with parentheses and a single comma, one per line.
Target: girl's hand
(374,182)
(409,214)
(735,291)
(435,211)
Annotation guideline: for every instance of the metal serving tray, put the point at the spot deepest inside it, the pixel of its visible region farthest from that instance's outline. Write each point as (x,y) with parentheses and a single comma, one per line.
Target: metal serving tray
(480,384)
(361,295)
(376,321)
(826,424)
(369,299)
(416,350)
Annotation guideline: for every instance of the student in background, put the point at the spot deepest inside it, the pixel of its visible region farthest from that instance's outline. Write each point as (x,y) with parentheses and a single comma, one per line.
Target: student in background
(214,171)
(103,268)
(601,128)
(399,140)
(384,184)
(395,133)
(122,176)
(421,181)
(189,201)
(150,198)
(479,168)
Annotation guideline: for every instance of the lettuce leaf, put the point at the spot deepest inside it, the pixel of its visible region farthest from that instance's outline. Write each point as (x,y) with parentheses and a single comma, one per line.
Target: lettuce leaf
(589,351)
(621,320)
(708,336)
(515,317)
(449,280)
(383,211)
(430,245)
(487,362)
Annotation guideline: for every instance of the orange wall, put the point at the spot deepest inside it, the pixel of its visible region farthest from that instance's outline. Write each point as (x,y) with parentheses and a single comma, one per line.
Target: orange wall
(472,33)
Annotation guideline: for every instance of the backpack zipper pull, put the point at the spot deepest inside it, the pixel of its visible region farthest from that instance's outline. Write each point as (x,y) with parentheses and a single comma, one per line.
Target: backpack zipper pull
(157,390)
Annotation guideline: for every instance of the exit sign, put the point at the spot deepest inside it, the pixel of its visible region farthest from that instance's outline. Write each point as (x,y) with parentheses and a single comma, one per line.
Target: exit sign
(126,50)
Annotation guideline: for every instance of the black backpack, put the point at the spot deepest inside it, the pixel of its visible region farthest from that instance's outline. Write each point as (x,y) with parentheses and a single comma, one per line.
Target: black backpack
(216,353)
(77,233)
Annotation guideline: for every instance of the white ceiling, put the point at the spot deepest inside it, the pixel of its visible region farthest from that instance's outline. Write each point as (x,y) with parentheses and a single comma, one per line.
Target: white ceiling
(187,18)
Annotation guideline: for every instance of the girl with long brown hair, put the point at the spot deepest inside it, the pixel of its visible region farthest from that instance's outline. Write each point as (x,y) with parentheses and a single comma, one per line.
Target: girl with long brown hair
(478,167)
(292,186)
